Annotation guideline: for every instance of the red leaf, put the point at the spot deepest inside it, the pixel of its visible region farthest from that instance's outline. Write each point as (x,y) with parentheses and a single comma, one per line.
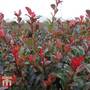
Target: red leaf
(72,23)
(32,58)
(76,61)
(1,16)
(72,39)
(67,48)
(14,78)
(58,2)
(58,43)
(15,51)
(2,33)
(81,17)
(88,13)
(58,55)
(30,12)
(0,79)
(41,53)
(18,13)
(33,14)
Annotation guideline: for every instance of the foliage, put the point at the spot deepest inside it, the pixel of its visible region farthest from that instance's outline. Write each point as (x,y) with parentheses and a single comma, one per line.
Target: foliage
(53,58)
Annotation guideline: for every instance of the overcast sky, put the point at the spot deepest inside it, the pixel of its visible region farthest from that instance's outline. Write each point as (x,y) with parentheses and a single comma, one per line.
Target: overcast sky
(68,9)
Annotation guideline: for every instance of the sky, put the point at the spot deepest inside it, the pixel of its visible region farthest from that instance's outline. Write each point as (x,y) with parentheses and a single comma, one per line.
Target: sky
(67,10)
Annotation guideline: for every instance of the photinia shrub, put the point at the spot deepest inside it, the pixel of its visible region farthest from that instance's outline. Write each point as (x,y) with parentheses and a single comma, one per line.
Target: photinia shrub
(50,55)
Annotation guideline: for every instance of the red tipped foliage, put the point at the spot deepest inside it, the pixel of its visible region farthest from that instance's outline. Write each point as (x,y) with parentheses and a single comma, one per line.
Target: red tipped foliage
(18,13)
(30,12)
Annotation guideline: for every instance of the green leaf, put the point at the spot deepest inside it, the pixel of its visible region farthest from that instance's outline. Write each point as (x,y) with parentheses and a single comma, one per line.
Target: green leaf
(87,59)
(81,50)
(84,32)
(21,51)
(1,54)
(88,67)
(48,55)
(79,81)
(75,51)
(62,75)
(86,86)
(10,57)
(38,60)
(30,42)
(27,62)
